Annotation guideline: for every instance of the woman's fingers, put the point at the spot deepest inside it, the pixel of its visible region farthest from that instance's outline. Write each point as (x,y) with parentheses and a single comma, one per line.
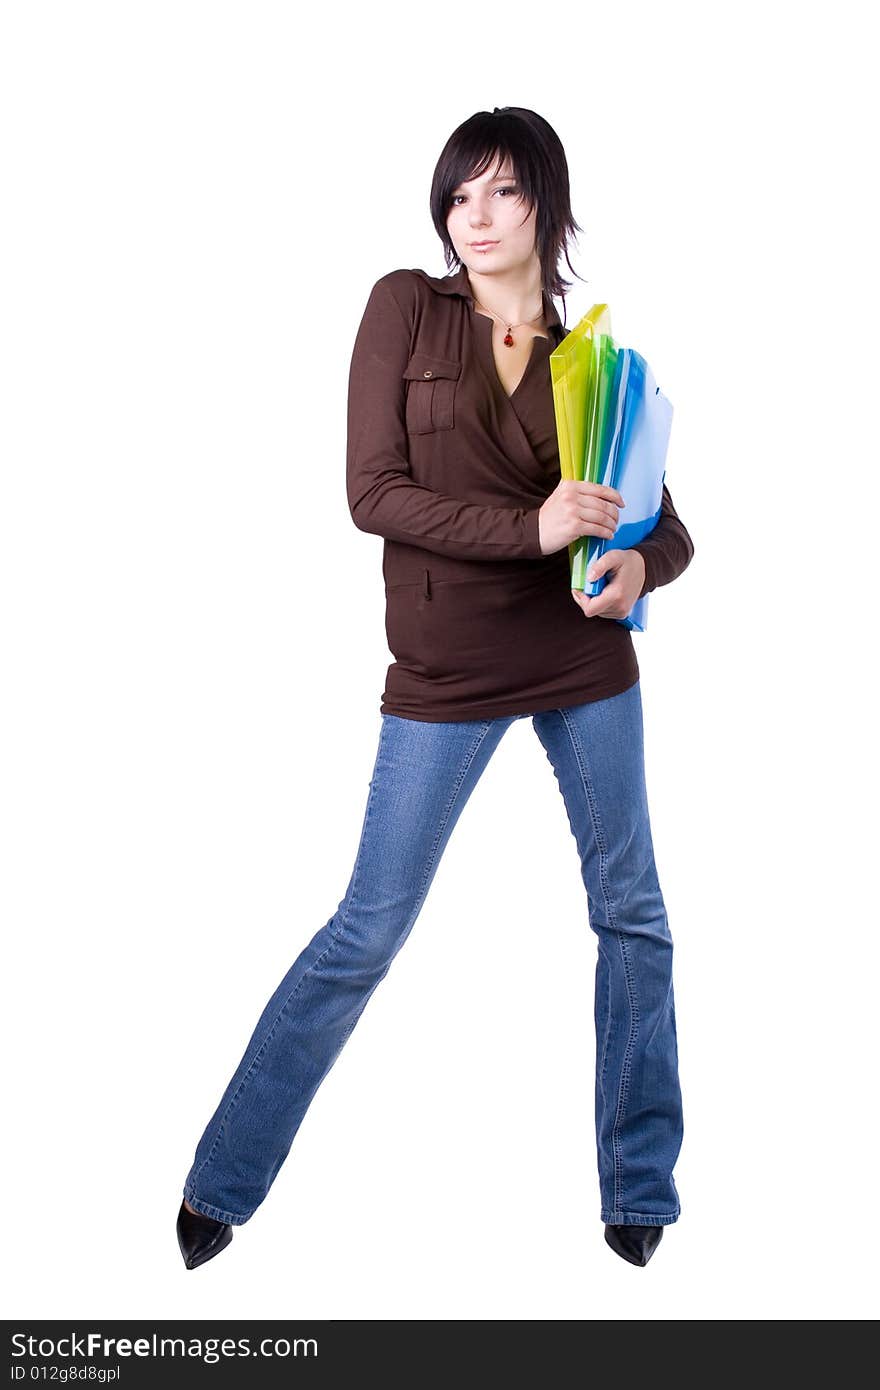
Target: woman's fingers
(608,494)
(600,505)
(603,515)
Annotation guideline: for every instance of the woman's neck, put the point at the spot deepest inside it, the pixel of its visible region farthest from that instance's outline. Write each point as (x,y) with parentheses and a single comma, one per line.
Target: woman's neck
(515,298)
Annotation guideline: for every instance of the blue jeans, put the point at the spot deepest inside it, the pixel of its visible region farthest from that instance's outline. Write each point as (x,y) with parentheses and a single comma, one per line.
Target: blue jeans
(423,775)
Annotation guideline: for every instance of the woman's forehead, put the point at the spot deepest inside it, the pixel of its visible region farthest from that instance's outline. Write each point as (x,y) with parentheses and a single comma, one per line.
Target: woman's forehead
(495,173)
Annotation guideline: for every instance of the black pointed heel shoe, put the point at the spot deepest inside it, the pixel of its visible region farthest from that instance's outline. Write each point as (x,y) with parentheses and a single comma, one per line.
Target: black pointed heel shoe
(200,1237)
(636,1244)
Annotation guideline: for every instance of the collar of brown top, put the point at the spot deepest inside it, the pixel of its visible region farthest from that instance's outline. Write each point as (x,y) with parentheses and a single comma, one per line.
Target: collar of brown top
(458,283)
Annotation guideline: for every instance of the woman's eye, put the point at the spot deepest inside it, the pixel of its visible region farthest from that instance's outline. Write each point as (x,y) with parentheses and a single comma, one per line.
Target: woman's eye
(506,189)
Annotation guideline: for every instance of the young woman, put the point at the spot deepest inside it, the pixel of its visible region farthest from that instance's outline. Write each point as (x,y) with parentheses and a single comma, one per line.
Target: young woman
(452,459)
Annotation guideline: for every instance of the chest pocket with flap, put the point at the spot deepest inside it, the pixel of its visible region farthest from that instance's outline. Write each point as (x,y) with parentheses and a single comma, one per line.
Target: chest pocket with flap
(431,383)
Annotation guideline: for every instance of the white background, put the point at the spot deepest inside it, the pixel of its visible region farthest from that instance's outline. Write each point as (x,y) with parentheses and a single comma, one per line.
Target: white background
(198,199)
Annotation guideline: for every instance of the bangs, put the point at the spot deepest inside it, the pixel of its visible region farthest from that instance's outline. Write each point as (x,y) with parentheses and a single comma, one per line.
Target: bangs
(470,161)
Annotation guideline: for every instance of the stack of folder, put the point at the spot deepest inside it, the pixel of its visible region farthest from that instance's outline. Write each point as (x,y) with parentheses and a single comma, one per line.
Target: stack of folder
(612,424)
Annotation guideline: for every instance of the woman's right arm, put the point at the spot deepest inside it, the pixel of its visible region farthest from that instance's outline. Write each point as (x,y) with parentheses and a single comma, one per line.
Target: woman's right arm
(383,498)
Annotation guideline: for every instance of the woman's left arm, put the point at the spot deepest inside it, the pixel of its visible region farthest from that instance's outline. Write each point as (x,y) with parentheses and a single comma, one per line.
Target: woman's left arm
(667,550)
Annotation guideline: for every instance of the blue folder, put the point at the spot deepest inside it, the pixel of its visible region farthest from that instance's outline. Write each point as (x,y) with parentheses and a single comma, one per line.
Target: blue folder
(634,453)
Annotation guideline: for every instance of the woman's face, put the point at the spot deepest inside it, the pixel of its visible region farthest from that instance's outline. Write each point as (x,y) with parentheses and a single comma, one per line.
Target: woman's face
(491,208)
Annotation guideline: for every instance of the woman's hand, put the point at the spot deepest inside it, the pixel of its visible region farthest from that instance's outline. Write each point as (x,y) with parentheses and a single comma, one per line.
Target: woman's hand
(577,509)
(620,592)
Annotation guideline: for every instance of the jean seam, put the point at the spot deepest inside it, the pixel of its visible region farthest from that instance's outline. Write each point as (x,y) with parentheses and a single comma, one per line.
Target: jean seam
(606,1041)
(639,1218)
(230,1218)
(272,1030)
(626,1064)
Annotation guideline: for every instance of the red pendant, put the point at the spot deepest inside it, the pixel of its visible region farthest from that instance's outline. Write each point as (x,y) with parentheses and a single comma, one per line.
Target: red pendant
(508,339)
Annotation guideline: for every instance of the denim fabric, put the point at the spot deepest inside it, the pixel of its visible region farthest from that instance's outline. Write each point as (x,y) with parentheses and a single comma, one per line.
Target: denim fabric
(423,775)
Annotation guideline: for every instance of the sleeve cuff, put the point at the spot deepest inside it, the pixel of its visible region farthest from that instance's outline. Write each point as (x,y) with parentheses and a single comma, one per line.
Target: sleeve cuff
(649,582)
(531,535)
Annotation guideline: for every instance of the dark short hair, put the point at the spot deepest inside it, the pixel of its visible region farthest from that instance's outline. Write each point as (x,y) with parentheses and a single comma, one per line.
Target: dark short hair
(538,160)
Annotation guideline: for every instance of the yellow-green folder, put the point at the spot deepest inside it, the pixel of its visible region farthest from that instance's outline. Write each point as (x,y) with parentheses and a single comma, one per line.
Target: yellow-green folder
(581,369)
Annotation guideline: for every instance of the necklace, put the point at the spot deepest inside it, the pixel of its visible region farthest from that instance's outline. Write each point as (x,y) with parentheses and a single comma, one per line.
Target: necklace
(508,337)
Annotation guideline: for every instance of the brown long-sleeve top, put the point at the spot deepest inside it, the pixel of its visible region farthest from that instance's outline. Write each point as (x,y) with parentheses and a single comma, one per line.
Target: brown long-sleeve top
(452,472)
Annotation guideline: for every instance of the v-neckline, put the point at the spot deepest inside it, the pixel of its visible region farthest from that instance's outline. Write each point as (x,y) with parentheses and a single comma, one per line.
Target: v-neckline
(511,426)
(509,395)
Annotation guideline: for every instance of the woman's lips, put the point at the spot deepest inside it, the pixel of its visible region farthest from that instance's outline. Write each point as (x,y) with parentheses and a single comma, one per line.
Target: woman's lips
(483,245)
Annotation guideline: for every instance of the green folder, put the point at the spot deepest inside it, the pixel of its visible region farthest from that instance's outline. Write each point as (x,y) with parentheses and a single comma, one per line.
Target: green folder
(575,369)
(582,372)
